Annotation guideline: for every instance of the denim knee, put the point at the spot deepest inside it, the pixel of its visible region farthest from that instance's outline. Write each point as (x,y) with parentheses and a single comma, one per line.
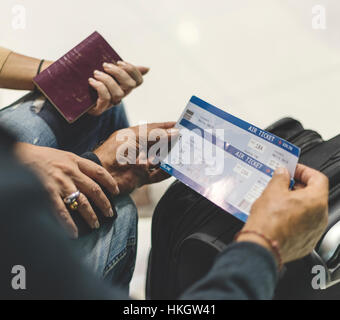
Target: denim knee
(111,250)
(34,120)
(21,119)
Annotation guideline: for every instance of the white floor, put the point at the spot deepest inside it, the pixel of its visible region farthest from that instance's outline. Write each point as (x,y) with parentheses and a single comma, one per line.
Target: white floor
(260,60)
(137,286)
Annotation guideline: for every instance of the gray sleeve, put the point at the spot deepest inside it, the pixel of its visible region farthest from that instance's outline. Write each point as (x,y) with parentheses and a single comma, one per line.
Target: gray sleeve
(244,271)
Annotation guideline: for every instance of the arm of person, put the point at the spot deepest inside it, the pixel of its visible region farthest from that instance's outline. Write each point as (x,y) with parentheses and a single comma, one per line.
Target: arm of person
(244,271)
(247,269)
(292,219)
(17,71)
(31,237)
(115,83)
(63,173)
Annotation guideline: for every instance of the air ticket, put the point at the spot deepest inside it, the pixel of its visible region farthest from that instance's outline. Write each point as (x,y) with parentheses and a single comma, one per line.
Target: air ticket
(227,160)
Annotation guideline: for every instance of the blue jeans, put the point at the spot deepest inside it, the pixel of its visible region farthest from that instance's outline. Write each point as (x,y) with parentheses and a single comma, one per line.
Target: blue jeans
(111,250)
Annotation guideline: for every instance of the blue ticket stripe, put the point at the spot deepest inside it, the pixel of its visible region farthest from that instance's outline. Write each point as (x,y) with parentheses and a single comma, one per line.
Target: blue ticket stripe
(249,160)
(228,148)
(198,188)
(269,137)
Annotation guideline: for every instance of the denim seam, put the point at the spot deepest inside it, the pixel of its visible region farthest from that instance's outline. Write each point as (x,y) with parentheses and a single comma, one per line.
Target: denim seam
(130,243)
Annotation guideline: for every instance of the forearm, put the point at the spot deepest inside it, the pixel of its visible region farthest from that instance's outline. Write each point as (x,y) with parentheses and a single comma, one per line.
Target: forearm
(244,271)
(19,70)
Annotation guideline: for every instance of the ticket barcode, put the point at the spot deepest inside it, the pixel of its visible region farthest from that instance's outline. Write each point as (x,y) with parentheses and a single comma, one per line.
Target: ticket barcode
(188,115)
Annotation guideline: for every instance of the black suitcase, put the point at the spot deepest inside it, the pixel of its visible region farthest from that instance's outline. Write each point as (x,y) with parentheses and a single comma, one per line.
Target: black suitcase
(188,231)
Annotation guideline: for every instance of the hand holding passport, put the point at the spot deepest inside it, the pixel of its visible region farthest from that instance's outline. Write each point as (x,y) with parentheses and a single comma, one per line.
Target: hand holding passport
(78,82)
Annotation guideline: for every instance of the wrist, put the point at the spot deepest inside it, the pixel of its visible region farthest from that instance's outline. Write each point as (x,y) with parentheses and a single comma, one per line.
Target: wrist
(101,156)
(45,65)
(253,238)
(23,150)
(263,241)
(106,153)
(20,149)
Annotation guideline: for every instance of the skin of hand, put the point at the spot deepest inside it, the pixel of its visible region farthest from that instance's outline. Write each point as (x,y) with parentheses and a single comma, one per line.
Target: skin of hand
(63,173)
(114,84)
(296,218)
(140,169)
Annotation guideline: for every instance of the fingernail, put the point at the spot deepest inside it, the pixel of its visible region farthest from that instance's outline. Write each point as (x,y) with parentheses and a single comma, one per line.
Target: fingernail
(111,213)
(121,63)
(97,73)
(91,80)
(281,171)
(117,190)
(106,65)
(96,225)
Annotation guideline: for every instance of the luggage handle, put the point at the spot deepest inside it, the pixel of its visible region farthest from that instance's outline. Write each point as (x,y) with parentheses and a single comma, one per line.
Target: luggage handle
(329,252)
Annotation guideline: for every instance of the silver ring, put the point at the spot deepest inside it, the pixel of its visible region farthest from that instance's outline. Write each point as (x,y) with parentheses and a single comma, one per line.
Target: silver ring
(72,197)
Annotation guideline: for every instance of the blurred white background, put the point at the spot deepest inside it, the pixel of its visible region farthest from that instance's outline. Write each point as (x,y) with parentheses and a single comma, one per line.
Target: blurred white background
(259,60)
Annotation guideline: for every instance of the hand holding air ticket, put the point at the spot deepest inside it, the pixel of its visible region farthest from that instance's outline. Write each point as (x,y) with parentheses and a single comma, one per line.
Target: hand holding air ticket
(226,159)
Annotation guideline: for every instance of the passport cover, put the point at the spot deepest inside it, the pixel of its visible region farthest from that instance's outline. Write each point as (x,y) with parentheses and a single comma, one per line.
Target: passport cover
(65,82)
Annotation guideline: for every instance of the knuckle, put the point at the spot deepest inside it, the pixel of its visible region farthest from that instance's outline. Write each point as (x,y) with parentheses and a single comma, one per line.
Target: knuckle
(83,205)
(106,77)
(58,177)
(119,94)
(71,156)
(120,72)
(129,67)
(131,84)
(96,190)
(105,97)
(101,85)
(63,215)
(108,98)
(107,205)
(82,199)
(69,224)
(68,170)
(100,172)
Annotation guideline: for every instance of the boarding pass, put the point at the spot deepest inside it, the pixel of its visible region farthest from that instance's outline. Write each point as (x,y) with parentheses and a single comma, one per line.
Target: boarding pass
(225,159)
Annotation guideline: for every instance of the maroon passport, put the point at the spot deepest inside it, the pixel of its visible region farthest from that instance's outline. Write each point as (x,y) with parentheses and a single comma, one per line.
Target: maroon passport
(65,82)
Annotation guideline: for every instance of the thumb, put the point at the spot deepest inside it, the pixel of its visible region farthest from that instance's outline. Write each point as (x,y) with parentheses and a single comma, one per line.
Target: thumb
(280,181)
(143,70)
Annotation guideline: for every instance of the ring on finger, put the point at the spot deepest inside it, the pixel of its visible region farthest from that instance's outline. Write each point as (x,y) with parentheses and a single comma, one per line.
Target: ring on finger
(71,200)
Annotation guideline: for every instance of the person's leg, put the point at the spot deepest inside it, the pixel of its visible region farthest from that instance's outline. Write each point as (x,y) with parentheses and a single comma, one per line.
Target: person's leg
(34,120)
(111,250)
(21,119)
